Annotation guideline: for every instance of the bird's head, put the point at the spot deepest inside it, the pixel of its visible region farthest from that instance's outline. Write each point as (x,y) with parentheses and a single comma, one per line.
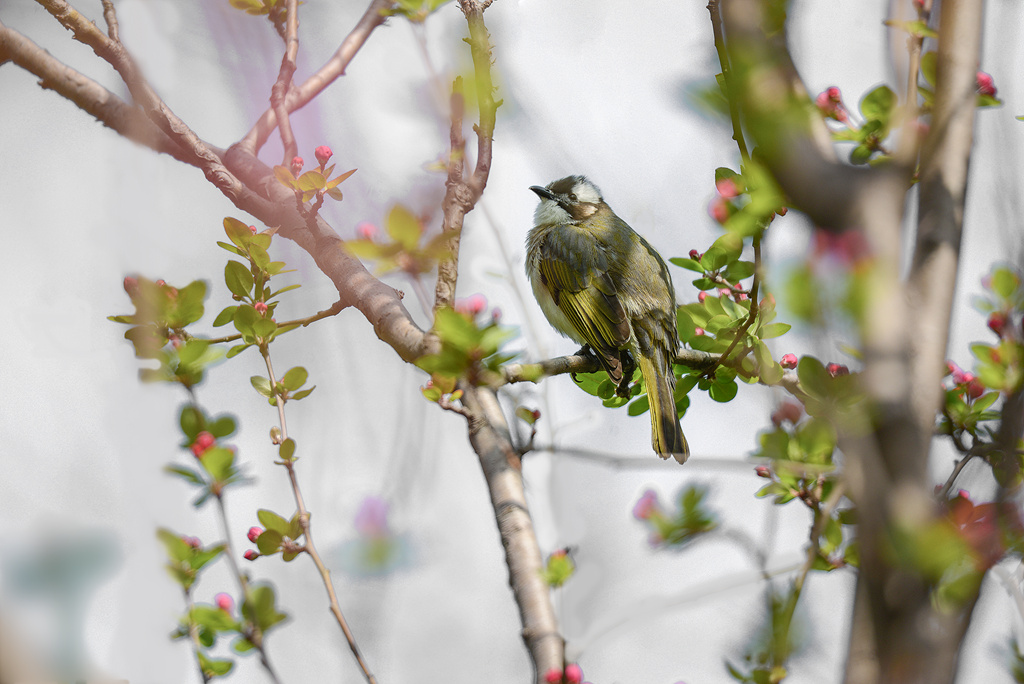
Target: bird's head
(569,200)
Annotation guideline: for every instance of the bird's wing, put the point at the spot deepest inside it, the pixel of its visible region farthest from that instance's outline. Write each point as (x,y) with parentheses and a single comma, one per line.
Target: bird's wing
(576,275)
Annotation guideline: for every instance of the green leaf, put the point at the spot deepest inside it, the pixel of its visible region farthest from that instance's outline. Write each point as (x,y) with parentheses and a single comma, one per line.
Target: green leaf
(287,449)
(259,256)
(929,60)
(1004,282)
(269,542)
(218,462)
(640,406)
(192,422)
(237,232)
(238,278)
(338,179)
(272,521)
(176,547)
(817,439)
(303,394)
(225,316)
(260,608)
(860,154)
(766,332)
(283,174)
(223,426)
(723,391)
(311,181)
(403,227)
(186,474)
(237,349)
(213,618)
(295,378)
(688,264)
(242,645)
(212,667)
(261,384)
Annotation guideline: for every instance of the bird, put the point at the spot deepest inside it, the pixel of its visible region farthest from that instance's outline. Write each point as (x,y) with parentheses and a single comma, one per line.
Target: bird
(601,284)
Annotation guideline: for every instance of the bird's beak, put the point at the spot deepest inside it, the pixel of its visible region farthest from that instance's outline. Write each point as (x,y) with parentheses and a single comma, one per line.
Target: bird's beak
(544,193)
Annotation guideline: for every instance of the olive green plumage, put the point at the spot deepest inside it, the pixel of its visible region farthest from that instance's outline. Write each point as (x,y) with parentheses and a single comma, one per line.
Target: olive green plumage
(603,285)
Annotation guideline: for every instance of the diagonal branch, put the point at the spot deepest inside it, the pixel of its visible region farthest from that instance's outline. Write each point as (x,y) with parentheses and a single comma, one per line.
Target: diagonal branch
(461,195)
(284,82)
(299,97)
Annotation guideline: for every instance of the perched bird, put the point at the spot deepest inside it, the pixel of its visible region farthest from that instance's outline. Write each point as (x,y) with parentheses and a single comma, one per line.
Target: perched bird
(604,286)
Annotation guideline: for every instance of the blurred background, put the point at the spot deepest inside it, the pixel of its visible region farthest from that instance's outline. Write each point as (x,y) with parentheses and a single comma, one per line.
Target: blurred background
(603,88)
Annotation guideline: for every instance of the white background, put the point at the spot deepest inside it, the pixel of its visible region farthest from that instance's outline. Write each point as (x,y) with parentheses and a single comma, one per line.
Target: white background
(596,88)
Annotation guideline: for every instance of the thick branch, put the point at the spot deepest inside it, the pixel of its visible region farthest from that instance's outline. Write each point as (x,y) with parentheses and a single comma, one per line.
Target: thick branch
(943,188)
(298,98)
(87,94)
(489,435)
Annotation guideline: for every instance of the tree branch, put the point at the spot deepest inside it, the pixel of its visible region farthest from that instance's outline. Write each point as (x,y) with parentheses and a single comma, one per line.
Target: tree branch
(489,435)
(284,81)
(298,98)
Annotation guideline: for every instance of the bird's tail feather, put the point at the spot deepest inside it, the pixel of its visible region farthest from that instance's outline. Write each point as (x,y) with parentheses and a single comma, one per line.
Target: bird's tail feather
(666,433)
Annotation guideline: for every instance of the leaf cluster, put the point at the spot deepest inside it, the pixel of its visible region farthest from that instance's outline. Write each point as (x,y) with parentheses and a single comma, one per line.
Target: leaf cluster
(404,251)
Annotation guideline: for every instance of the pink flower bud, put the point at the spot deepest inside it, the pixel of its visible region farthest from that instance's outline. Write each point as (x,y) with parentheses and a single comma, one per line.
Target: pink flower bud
(919,4)
(204,440)
(573,673)
(701,296)
(726,188)
(323,155)
(833,94)
(131,286)
(224,602)
(252,229)
(986,86)
(366,230)
(472,305)
(742,297)
(536,415)
(553,676)
(192,541)
(788,361)
(963,494)
(261,308)
(763,471)
(695,255)
(974,388)
(768,302)
(297,164)
(724,291)
(495,315)
(718,209)
(161,282)
(997,322)
(251,555)
(836,369)
(646,505)
(698,331)
(254,533)
(782,211)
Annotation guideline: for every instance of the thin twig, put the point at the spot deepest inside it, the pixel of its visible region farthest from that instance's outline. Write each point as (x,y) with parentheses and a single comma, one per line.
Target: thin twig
(310,546)
(333,310)
(754,308)
(193,634)
(255,635)
(299,97)
(723,60)
(284,82)
(110,16)
(944,492)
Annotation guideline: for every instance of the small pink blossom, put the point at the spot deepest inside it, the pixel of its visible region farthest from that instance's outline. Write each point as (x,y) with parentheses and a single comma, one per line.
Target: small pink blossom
(573,673)
(471,305)
(366,230)
(788,361)
(372,518)
(646,505)
(224,602)
(553,676)
(701,296)
(192,541)
(254,533)
(204,440)
(718,209)
(261,308)
(131,286)
(997,322)
(695,255)
(724,291)
(986,86)
(251,555)
(837,369)
(726,188)
(297,164)
(698,331)
(763,471)
(323,155)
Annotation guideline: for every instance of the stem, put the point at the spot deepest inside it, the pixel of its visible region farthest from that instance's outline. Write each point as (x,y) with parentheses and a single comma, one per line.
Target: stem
(753,306)
(193,633)
(255,636)
(944,492)
(723,60)
(284,82)
(333,310)
(310,547)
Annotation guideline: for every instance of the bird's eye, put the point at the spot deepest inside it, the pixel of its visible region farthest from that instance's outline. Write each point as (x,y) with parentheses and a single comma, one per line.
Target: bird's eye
(572,196)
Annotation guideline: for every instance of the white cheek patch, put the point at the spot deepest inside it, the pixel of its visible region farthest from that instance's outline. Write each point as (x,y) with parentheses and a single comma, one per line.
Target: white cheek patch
(587,192)
(549,213)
